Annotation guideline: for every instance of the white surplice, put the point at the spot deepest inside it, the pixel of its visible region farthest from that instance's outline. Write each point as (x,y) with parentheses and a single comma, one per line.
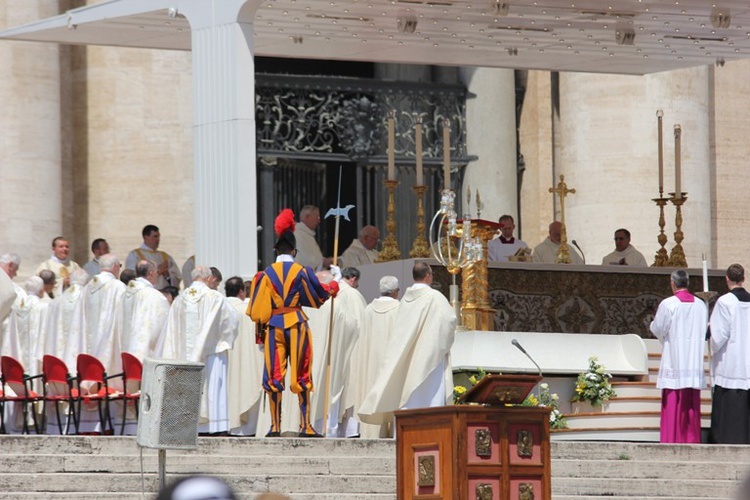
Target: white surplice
(376,335)
(245,375)
(499,251)
(201,328)
(144,316)
(632,257)
(730,342)
(418,355)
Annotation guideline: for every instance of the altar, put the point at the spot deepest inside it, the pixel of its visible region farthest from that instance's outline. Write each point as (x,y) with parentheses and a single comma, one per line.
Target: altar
(565,298)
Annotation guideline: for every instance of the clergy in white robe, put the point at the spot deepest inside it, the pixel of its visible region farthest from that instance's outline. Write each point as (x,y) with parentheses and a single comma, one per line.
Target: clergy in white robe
(245,373)
(680,325)
(144,313)
(97,319)
(23,340)
(372,348)
(60,264)
(169,273)
(60,316)
(7,290)
(417,370)
(625,254)
(547,250)
(348,310)
(308,251)
(505,245)
(730,343)
(9,263)
(362,250)
(201,328)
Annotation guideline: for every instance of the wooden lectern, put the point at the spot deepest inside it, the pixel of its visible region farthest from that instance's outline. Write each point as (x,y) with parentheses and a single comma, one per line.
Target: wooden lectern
(483,450)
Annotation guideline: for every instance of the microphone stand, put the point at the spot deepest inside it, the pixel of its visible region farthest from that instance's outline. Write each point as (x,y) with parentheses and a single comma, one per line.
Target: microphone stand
(520,348)
(579,249)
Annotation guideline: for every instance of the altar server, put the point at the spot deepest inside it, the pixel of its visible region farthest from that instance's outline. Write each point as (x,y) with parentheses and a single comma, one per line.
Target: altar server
(730,327)
(680,325)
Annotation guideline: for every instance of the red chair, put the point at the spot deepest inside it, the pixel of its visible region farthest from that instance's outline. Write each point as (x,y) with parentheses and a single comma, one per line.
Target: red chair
(91,374)
(58,388)
(13,376)
(132,370)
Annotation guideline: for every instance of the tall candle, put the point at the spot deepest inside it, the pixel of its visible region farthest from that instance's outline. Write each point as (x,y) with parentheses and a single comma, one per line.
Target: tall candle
(677,169)
(447,153)
(659,115)
(391,145)
(418,140)
(705,274)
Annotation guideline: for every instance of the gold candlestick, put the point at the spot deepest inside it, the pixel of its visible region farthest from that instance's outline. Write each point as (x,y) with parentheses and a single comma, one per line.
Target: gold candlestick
(662,257)
(420,249)
(390,249)
(677,256)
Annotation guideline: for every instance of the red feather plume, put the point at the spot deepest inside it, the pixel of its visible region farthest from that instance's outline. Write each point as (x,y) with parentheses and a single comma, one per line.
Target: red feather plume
(284,221)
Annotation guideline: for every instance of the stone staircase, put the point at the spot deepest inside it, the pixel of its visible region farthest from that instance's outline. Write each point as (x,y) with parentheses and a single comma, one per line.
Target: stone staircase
(632,415)
(93,467)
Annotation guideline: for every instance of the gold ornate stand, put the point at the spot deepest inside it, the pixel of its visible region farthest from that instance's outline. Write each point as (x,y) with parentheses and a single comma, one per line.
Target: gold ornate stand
(420,249)
(662,257)
(677,256)
(477,312)
(390,249)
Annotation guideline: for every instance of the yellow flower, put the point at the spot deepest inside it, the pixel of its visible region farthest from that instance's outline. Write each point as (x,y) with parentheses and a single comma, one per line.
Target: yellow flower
(459,389)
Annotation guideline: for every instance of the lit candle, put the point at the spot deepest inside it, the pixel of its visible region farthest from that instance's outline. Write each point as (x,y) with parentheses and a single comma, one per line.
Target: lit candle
(677,172)
(447,153)
(659,115)
(391,145)
(705,274)
(418,140)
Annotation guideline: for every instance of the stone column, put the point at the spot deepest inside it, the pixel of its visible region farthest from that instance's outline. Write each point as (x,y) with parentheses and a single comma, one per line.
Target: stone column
(491,137)
(607,151)
(30,188)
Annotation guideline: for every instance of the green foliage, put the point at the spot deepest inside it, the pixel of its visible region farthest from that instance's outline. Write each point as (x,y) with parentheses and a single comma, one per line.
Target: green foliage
(593,385)
(549,399)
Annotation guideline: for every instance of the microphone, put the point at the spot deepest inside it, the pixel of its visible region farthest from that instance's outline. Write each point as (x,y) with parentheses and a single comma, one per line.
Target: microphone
(520,348)
(579,249)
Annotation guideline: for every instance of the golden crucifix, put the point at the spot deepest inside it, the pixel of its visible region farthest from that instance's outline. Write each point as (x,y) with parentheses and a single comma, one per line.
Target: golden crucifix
(563,253)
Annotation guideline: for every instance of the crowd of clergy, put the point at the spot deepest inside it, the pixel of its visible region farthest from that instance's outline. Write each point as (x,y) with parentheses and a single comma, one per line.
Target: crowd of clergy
(361,369)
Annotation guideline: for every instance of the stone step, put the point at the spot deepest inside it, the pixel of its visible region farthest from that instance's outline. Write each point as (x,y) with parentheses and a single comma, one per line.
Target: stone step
(643,435)
(645,403)
(643,487)
(718,454)
(610,419)
(646,469)
(646,389)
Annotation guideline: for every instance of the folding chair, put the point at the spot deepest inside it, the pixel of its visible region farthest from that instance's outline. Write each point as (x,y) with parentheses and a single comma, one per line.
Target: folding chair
(92,375)
(132,369)
(58,388)
(14,377)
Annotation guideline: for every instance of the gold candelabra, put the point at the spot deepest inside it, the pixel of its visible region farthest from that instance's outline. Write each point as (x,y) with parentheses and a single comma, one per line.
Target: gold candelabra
(662,257)
(420,248)
(677,256)
(390,249)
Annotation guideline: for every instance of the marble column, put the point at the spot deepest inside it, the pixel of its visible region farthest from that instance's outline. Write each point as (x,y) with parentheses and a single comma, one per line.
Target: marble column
(491,136)
(607,150)
(30,185)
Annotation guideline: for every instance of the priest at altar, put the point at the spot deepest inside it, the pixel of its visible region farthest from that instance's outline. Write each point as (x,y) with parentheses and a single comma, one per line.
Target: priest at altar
(547,250)
(625,254)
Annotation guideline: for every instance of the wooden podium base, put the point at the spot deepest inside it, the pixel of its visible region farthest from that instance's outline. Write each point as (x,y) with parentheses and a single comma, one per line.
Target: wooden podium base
(472,452)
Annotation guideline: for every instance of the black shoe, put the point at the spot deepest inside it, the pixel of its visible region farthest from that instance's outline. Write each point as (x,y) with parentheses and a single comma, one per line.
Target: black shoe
(273,434)
(310,435)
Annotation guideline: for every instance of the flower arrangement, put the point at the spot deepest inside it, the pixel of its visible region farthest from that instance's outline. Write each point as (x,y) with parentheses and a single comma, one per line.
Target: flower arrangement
(593,386)
(460,390)
(550,399)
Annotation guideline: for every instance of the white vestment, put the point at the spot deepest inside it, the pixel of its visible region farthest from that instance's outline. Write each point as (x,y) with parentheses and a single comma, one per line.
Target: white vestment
(7,295)
(144,315)
(546,252)
(357,255)
(499,251)
(376,335)
(348,315)
(681,329)
(308,251)
(23,340)
(97,322)
(730,342)
(157,257)
(62,270)
(632,258)
(245,376)
(59,321)
(418,355)
(19,295)
(201,328)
